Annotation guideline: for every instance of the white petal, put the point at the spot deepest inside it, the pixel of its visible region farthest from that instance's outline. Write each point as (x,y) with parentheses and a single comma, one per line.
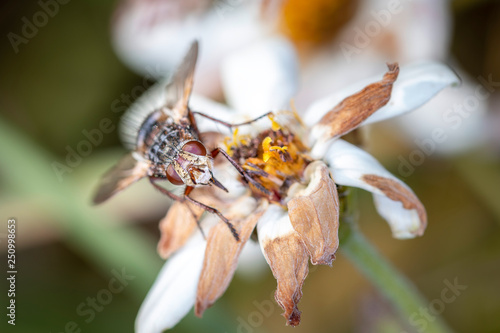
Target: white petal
(213,109)
(460,114)
(273,224)
(153,36)
(403,222)
(251,263)
(350,165)
(416,84)
(174,292)
(261,77)
(421,29)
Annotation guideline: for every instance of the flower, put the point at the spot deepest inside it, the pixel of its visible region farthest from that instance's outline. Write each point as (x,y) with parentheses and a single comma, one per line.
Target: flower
(299,165)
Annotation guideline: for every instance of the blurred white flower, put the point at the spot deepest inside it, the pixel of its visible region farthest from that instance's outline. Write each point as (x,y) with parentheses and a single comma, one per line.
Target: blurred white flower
(157,33)
(348,40)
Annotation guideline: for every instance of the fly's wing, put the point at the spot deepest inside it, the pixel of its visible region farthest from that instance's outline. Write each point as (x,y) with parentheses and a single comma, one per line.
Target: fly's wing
(126,172)
(179,89)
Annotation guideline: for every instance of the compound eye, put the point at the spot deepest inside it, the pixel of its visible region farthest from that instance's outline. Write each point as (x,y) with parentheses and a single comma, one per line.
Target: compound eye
(173,177)
(195,147)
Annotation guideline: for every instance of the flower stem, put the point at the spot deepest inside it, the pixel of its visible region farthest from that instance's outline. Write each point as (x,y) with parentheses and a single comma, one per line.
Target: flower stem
(400,292)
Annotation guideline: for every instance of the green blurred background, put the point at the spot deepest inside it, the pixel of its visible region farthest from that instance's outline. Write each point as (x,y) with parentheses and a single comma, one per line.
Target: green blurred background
(65,79)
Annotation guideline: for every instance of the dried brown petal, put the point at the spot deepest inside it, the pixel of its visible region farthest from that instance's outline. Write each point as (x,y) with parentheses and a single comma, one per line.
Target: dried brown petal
(180,221)
(353,110)
(176,227)
(221,258)
(314,214)
(396,191)
(288,258)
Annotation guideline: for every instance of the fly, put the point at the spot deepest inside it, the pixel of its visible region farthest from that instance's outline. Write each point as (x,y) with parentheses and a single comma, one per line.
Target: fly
(168,147)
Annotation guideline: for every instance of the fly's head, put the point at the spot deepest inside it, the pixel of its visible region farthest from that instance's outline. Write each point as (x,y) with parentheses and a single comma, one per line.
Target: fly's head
(193,166)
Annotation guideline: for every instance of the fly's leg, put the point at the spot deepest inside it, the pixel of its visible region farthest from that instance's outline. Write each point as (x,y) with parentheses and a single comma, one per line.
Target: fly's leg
(195,202)
(242,171)
(229,125)
(215,211)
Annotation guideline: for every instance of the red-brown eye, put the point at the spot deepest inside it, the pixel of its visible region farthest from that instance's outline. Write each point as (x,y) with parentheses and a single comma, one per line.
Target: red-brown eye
(195,147)
(173,177)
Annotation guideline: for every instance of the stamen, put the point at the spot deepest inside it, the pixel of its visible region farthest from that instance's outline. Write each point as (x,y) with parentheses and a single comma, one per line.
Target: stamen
(274,125)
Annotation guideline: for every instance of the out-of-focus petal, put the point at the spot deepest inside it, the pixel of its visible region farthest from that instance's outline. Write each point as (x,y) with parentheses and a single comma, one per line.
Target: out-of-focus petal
(396,202)
(417,83)
(174,291)
(213,109)
(288,258)
(251,265)
(314,213)
(353,110)
(222,252)
(422,28)
(451,122)
(262,77)
(176,227)
(180,222)
(416,30)
(153,36)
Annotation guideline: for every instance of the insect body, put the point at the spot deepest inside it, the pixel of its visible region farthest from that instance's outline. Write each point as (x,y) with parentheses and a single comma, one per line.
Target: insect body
(168,147)
(174,151)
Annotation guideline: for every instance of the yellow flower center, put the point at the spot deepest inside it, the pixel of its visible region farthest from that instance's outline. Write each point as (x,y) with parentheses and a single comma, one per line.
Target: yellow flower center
(276,158)
(315,21)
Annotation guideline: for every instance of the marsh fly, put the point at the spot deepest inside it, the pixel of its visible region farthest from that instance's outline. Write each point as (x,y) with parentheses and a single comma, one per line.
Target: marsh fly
(168,147)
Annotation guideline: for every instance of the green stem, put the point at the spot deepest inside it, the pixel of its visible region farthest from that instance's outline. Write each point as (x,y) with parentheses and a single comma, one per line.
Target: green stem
(400,292)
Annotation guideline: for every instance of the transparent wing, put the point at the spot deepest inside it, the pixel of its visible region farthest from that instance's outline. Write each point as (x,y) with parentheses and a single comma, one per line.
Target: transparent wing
(179,89)
(126,172)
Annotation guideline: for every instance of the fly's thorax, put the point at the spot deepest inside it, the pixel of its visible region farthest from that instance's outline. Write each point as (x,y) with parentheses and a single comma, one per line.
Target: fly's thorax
(160,138)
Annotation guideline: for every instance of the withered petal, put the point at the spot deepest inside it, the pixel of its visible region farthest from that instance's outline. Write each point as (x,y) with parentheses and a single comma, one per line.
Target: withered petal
(394,200)
(288,258)
(397,192)
(179,223)
(176,227)
(221,258)
(314,214)
(353,110)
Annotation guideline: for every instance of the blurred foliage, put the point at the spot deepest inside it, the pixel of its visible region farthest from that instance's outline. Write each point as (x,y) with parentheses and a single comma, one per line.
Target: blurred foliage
(64,81)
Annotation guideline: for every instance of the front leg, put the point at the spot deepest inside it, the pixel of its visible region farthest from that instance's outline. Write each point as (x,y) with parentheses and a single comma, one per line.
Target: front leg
(216,212)
(246,177)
